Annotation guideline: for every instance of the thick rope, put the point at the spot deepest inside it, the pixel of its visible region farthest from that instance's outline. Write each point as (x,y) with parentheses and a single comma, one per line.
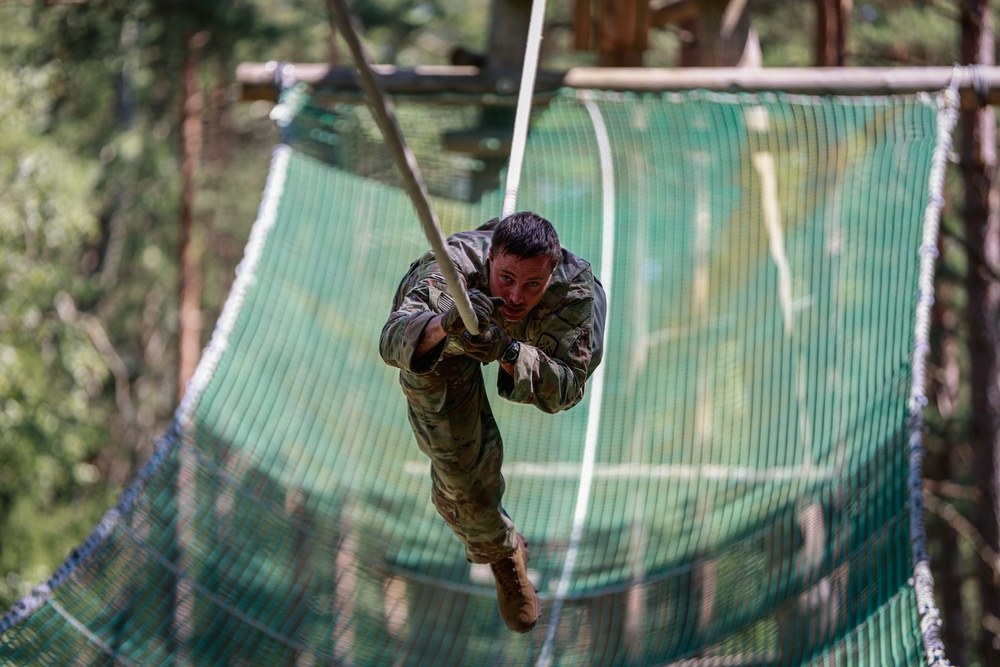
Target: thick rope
(595,385)
(405,161)
(525,97)
(923,581)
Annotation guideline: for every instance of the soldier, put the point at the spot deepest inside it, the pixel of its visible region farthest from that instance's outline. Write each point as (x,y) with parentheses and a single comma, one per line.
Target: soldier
(541,313)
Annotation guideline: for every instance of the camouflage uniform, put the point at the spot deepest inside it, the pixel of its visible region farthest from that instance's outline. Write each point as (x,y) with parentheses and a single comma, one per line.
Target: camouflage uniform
(561,345)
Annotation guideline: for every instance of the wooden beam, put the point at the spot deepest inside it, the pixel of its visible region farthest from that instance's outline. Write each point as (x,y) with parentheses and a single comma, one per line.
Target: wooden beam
(583,25)
(831,33)
(258,80)
(508,38)
(261,81)
(622,32)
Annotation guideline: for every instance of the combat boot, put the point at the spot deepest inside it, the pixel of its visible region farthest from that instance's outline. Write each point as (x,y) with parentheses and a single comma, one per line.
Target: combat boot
(517,597)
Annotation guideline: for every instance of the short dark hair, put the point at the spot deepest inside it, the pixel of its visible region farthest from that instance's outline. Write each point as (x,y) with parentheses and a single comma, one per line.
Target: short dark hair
(527,235)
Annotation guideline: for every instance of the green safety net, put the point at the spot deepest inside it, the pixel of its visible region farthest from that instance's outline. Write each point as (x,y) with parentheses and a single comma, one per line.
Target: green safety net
(737,487)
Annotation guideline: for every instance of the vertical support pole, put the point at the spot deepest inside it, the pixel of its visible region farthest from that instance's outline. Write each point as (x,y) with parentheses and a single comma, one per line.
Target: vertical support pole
(509,20)
(982,232)
(944,390)
(831,33)
(623,30)
(582,25)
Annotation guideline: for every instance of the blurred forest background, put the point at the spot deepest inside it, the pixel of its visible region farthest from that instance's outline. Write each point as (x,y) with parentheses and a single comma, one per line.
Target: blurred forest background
(92,220)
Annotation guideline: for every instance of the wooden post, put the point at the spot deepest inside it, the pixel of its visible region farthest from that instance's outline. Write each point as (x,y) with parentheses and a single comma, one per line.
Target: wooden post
(944,393)
(583,25)
(508,39)
(831,33)
(332,50)
(508,34)
(622,32)
(982,232)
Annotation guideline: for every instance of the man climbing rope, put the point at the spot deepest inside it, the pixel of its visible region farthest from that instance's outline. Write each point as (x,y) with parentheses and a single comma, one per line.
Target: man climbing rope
(540,311)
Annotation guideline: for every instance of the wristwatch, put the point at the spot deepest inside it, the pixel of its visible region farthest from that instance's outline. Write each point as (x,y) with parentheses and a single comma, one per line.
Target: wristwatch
(509,355)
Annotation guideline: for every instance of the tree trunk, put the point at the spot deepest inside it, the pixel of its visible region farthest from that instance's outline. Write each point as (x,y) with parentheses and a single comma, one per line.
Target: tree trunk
(982,231)
(944,394)
(831,33)
(190,297)
(583,25)
(622,32)
(509,21)
(332,49)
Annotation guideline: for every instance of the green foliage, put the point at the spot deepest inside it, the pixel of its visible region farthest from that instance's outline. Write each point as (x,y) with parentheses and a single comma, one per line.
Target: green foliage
(779,46)
(49,490)
(90,104)
(893,33)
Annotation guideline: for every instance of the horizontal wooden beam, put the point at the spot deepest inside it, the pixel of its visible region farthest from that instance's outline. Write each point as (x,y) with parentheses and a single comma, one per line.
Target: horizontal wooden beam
(261,80)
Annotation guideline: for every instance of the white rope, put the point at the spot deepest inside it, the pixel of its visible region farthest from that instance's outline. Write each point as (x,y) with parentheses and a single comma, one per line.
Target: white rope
(596,385)
(525,97)
(246,276)
(923,581)
(405,161)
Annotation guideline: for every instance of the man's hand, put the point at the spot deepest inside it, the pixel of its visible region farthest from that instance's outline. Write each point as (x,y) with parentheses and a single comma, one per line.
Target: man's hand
(482,306)
(487,346)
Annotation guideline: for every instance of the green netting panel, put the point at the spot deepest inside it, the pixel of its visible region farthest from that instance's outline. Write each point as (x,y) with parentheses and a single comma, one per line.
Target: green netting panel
(743,453)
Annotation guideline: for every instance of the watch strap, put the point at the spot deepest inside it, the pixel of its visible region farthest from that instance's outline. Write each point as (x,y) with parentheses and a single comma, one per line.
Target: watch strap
(510,354)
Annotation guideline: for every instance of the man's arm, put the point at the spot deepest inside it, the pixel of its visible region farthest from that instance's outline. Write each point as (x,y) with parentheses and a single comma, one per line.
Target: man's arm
(430,337)
(414,336)
(554,381)
(551,371)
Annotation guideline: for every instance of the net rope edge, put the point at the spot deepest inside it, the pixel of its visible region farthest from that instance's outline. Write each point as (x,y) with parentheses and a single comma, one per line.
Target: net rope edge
(923,581)
(245,277)
(930,618)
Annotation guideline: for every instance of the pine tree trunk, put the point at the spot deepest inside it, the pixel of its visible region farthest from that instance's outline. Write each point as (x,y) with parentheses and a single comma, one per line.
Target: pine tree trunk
(982,231)
(944,394)
(831,33)
(190,298)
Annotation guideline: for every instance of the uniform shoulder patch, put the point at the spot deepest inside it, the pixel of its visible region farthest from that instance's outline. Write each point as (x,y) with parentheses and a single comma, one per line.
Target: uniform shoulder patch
(548,344)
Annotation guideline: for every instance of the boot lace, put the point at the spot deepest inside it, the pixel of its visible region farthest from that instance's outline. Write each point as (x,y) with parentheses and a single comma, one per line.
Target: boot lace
(506,572)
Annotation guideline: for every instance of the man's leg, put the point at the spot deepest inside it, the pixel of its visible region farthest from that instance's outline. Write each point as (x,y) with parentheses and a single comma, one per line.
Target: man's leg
(454,426)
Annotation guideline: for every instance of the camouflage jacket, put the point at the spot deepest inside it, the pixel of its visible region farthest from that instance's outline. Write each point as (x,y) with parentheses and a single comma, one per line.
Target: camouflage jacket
(561,338)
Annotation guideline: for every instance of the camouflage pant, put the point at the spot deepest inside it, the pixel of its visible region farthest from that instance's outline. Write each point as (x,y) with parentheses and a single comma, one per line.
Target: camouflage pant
(455,428)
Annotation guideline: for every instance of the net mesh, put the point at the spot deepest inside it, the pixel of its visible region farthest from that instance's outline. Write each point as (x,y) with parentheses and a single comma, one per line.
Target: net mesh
(746,498)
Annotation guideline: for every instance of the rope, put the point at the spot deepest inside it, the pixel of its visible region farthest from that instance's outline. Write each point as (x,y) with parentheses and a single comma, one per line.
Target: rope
(524,99)
(596,383)
(923,581)
(405,161)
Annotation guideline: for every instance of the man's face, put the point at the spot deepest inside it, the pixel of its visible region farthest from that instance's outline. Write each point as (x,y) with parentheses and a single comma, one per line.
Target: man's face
(520,281)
